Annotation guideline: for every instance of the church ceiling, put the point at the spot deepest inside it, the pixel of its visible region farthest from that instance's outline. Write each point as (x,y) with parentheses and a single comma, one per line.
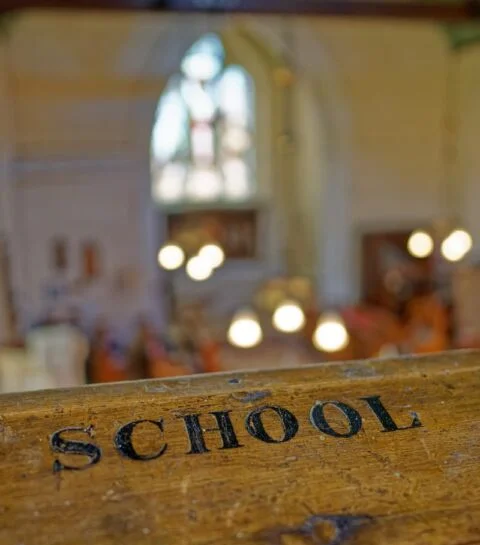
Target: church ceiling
(463,35)
(457,17)
(446,10)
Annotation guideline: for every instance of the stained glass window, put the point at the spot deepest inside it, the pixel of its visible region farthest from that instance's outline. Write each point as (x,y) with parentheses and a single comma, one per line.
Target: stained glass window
(202,140)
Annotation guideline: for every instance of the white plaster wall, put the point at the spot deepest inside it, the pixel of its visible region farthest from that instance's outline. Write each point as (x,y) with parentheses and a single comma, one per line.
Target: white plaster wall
(234,285)
(6,186)
(370,118)
(371,133)
(5,143)
(468,186)
(383,111)
(60,203)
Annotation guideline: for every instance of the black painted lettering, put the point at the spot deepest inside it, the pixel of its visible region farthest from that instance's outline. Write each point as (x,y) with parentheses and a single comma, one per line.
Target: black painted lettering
(196,432)
(79,448)
(317,418)
(124,445)
(256,428)
(384,417)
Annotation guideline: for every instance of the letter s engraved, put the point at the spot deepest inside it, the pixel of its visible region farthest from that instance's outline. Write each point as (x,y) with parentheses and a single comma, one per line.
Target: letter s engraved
(78,448)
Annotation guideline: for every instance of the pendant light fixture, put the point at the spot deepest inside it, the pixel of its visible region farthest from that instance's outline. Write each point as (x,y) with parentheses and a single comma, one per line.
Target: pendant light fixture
(288,317)
(454,240)
(331,334)
(457,242)
(420,243)
(245,330)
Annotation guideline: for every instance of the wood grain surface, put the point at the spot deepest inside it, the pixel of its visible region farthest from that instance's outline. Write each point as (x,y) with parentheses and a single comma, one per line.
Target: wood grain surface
(373,452)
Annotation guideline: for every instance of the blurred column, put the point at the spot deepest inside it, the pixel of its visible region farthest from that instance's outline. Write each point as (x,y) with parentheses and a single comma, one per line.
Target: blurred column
(7,321)
(291,181)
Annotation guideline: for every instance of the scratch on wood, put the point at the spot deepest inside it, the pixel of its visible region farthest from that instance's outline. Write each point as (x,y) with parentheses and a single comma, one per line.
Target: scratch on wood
(156,388)
(7,435)
(429,454)
(247,397)
(185,485)
(319,530)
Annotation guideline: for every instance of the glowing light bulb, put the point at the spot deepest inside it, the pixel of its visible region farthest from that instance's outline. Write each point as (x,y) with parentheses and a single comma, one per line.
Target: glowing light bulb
(420,244)
(245,330)
(171,256)
(198,268)
(456,245)
(288,317)
(331,334)
(212,253)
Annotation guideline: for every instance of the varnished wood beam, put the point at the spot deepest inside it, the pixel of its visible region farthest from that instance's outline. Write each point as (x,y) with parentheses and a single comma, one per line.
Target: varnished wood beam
(366,453)
(440,10)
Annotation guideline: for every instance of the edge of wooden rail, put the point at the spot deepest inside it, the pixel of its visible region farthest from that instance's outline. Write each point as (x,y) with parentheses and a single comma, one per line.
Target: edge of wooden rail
(385,369)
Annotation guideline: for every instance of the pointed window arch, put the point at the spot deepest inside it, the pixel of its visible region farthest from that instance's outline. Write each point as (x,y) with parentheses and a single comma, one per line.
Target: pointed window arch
(203,137)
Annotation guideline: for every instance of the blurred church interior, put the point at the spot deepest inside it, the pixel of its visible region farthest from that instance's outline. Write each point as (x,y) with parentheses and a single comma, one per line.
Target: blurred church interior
(183,194)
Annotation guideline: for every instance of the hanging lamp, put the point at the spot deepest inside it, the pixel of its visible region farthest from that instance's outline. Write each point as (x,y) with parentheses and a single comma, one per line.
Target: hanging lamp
(449,234)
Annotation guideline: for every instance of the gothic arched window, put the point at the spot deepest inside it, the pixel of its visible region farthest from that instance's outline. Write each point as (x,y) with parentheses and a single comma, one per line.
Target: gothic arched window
(202,140)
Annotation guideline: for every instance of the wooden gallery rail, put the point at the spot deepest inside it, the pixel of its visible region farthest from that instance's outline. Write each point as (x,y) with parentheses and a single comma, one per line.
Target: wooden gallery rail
(373,452)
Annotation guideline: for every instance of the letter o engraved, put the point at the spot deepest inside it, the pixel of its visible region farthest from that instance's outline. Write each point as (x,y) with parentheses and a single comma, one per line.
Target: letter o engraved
(123,441)
(255,427)
(317,418)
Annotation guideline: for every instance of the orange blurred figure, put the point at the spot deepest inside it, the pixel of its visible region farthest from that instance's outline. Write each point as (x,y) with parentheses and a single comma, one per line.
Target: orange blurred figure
(107,362)
(427,325)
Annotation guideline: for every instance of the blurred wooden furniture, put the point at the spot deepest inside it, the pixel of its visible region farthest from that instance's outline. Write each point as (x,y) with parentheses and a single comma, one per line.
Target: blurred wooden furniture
(370,452)
(466,303)
(427,325)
